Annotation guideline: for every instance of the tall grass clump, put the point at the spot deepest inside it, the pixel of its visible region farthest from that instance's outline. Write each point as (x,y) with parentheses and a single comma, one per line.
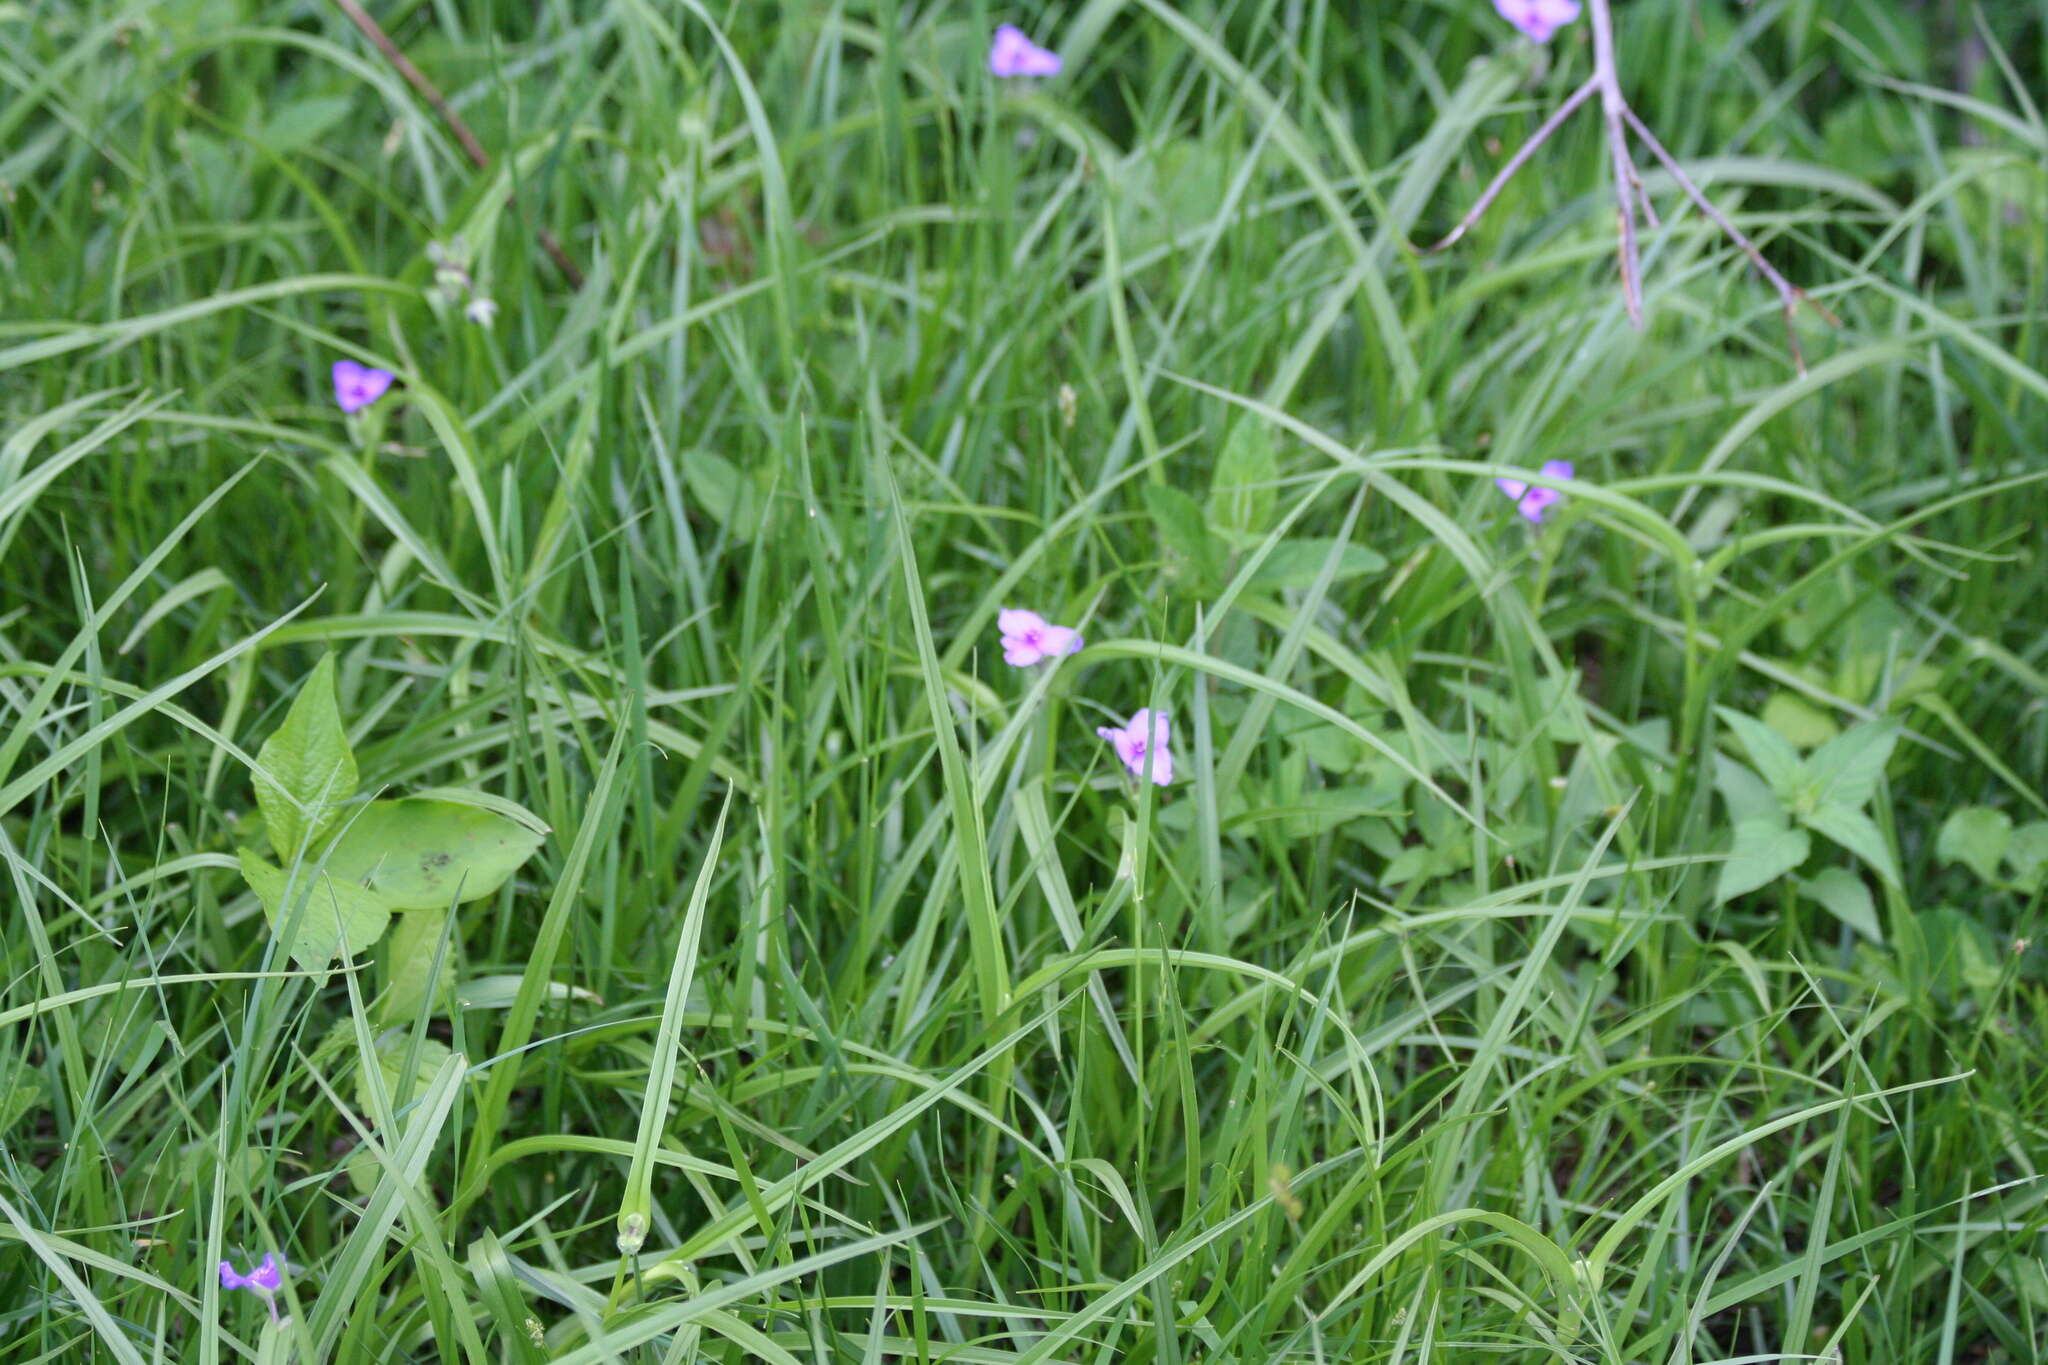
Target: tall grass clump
(690,681)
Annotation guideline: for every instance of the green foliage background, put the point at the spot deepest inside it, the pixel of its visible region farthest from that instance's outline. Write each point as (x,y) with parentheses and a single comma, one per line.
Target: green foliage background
(1602,941)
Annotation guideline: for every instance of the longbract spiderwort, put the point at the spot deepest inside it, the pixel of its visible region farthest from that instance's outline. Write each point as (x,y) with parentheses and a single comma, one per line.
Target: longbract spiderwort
(1538,19)
(1532,501)
(1143,745)
(1013,54)
(1029,638)
(263,1280)
(358,386)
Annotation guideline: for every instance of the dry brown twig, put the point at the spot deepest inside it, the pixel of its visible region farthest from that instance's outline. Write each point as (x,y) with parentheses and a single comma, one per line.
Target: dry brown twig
(1630,197)
(431,93)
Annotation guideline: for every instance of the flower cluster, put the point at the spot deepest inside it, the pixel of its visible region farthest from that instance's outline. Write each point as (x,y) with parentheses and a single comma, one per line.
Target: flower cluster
(1143,744)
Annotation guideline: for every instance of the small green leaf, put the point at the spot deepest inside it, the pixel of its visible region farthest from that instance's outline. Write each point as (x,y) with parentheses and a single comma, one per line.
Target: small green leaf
(1959,953)
(1186,533)
(726,494)
(306,769)
(1298,563)
(1855,831)
(1975,836)
(1801,722)
(399,1084)
(1842,894)
(1773,757)
(1764,851)
(1329,748)
(2028,854)
(1849,766)
(1242,490)
(331,913)
(17,1099)
(429,855)
(1315,813)
(302,123)
(1747,796)
(408,957)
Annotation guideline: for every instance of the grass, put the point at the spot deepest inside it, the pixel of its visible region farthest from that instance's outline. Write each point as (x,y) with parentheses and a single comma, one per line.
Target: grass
(1575,942)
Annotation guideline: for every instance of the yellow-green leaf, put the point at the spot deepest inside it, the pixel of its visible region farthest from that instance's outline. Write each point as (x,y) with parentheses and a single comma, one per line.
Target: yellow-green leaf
(306,769)
(330,914)
(420,854)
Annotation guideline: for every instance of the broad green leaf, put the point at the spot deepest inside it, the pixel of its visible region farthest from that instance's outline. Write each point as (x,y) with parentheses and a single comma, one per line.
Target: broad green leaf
(1842,894)
(1801,722)
(2028,853)
(408,957)
(306,769)
(1764,851)
(1773,757)
(1297,563)
(1186,533)
(332,914)
(1848,767)
(428,855)
(1855,831)
(1242,490)
(1975,836)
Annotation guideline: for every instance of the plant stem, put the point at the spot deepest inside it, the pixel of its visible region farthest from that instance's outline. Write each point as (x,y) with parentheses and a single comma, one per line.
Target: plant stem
(431,93)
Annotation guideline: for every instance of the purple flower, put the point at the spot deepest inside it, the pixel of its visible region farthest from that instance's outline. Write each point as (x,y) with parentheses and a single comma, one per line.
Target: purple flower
(1538,19)
(358,386)
(1013,54)
(1533,502)
(1029,638)
(264,1281)
(1142,745)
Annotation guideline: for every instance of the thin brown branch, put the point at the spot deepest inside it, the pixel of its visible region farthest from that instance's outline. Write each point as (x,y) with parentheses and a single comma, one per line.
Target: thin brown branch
(1614,109)
(1643,196)
(1631,196)
(431,93)
(1789,294)
(1517,161)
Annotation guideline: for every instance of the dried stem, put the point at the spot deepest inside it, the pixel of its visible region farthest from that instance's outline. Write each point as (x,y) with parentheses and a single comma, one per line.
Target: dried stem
(429,92)
(1630,195)
(1789,294)
(1613,108)
(1518,160)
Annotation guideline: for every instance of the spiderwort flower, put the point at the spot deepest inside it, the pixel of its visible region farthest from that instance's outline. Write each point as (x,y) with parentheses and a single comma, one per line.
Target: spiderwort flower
(481,311)
(1029,638)
(1532,502)
(1142,745)
(264,1280)
(1013,54)
(358,386)
(1538,19)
